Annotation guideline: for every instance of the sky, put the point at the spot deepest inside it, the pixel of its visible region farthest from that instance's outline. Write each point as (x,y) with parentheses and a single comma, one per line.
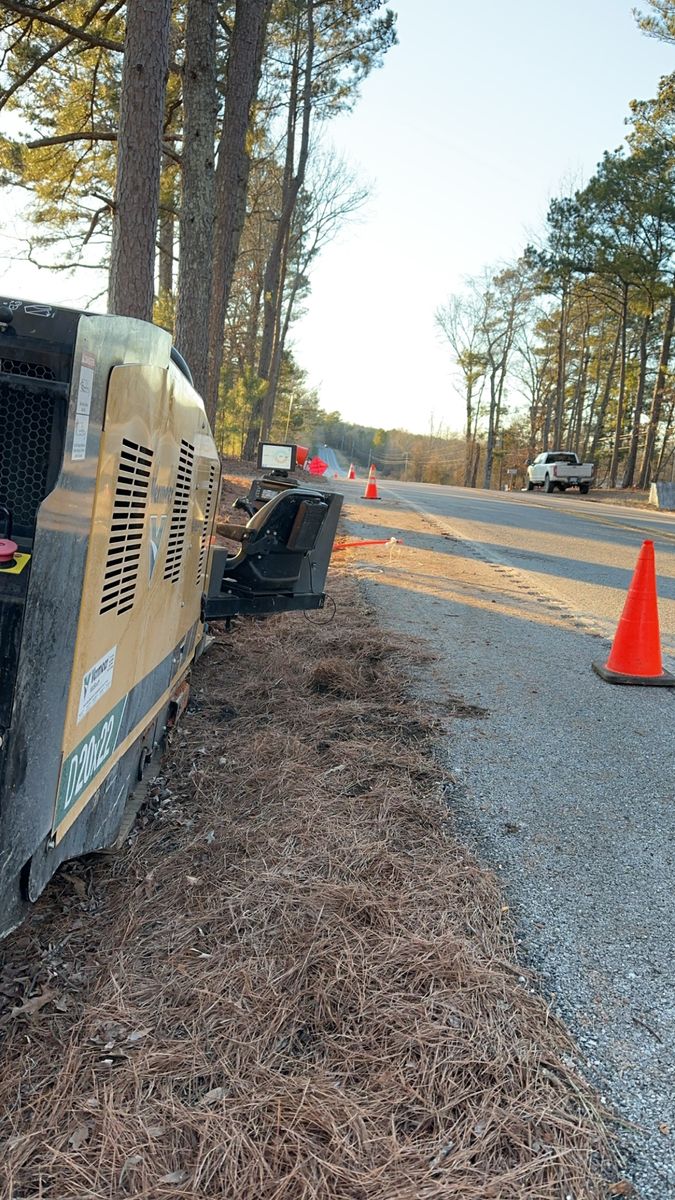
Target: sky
(484,111)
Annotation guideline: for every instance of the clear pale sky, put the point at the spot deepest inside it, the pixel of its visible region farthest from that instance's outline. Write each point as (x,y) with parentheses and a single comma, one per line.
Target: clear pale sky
(484,111)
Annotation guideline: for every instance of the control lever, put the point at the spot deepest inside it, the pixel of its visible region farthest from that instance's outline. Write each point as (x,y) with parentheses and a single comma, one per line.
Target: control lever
(242,502)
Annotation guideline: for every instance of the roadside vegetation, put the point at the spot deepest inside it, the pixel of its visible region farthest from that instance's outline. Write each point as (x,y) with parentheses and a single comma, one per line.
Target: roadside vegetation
(292,981)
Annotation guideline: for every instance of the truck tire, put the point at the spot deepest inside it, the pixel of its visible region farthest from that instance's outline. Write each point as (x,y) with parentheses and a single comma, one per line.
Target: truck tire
(583,489)
(548,485)
(529,485)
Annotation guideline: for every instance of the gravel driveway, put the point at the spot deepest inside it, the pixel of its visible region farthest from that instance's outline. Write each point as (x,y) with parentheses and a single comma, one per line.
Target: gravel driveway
(565,786)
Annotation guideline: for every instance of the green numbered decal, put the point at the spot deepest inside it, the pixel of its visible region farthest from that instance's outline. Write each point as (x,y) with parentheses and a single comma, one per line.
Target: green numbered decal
(84,763)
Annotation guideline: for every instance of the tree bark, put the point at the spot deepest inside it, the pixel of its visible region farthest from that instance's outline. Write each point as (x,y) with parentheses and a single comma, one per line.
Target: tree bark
(607,391)
(293,181)
(139,151)
(232,171)
(196,217)
(166,224)
(614,465)
(629,471)
(560,377)
(659,391)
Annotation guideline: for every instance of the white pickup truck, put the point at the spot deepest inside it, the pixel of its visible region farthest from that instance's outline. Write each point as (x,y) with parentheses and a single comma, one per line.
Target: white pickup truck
(559,469)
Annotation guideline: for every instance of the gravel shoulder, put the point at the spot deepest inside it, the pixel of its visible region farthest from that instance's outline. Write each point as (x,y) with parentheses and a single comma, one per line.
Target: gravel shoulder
(562,783)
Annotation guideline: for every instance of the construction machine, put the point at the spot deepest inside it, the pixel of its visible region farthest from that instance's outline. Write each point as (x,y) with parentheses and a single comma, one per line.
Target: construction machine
(109,494)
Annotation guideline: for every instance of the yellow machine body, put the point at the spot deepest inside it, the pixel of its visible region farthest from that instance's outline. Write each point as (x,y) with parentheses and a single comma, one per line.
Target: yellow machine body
(109,491)
(157,489)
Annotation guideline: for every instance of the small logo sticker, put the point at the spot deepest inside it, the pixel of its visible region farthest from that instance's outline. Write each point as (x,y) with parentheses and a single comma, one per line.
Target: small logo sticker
(96,682)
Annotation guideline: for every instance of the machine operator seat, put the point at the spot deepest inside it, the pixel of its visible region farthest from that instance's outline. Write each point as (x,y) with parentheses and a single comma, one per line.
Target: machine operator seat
(275,541)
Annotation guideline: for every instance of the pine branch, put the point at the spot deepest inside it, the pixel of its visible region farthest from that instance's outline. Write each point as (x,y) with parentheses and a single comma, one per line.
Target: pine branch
(77,33)
(93,135)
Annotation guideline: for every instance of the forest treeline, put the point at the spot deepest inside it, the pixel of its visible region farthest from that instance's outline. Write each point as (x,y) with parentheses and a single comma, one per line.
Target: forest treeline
(571,346)
(180,145)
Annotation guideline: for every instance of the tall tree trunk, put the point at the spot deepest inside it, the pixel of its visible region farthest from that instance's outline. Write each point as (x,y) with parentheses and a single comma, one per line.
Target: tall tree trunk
(468,451)
(490,442)
(139,153)
(659,391)
(548,413)
(607,392)
(629,471)
(293,181)
(232,171)
(166,224)
(196,214)
(253,324)
(594,398)
(614,465)
(560,375)
(280,343)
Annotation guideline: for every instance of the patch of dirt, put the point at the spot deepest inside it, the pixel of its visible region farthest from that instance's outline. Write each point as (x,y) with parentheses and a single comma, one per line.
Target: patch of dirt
(293,982)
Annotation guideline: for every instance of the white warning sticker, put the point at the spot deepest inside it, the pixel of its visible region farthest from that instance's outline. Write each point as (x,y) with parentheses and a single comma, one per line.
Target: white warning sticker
(96,682)
(83,406)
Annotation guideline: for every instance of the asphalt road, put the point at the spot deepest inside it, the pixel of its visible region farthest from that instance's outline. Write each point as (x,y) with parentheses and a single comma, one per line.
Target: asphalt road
(579,550)
(562,782)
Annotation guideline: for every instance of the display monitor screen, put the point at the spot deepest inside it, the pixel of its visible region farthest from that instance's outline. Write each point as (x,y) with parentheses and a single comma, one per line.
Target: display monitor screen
(275,457)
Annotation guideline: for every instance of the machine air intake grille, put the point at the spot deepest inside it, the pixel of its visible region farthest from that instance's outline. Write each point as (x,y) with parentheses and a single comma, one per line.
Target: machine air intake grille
(180,512)
(126,531)
(28,412)
(29,370)
(208,513)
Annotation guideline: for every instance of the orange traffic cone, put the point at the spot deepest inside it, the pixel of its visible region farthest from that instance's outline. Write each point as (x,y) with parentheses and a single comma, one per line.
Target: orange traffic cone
(351,474)
(371,487)
(635,657)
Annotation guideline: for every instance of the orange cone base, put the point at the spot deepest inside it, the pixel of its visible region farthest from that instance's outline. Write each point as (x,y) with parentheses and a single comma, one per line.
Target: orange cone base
(663,680)
(367,496)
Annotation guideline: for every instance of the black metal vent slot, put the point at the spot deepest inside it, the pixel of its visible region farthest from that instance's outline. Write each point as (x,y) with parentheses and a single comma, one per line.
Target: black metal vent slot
(126,530)
(32,423)
(179,512)
(208,513)
(28,370)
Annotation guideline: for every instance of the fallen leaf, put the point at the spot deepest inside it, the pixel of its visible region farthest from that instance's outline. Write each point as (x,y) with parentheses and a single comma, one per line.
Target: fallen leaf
(213,1095)
(174,1177)
(61,1004)
(129,1164)
(664,1128)
(33,1005)
(79,1137)
(137,1034)
(155,1130)
(192,880)
(623,1188)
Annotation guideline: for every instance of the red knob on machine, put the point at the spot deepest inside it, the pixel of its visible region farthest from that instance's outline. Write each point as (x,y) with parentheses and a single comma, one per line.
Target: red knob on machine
(7,551)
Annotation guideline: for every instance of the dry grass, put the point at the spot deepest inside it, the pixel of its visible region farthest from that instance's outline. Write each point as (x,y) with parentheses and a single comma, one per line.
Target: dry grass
(293,983)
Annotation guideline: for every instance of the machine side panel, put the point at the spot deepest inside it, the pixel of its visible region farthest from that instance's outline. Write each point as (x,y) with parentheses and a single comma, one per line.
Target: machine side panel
(144,574)
(32,765)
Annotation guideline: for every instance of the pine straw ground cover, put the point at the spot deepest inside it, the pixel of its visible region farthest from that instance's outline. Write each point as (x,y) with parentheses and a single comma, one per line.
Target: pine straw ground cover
(292,983)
